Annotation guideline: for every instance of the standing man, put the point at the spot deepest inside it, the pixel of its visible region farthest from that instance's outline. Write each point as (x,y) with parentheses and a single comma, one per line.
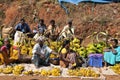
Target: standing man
(41,53)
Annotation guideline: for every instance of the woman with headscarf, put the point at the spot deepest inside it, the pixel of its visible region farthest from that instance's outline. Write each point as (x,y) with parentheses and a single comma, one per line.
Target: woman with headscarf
(7,52)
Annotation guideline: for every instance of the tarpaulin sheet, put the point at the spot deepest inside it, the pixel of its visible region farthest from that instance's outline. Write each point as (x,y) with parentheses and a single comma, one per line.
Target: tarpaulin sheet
(78,1)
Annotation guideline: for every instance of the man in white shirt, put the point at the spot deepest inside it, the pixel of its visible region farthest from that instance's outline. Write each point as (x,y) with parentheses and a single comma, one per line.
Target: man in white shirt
(68,31)
(41,53)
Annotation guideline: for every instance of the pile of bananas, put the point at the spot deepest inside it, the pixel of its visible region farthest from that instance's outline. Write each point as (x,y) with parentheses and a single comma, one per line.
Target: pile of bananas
(14,54)
(55,72)
(26,46)
(45,72)
(37,72)
(30,72)
(116,68)
(52,72)
(55,45)
(83,72)
(82,51)
(1,70)
(1,59)
(7,70)
(95,47)
(17,69)
(91,48)
(75,44)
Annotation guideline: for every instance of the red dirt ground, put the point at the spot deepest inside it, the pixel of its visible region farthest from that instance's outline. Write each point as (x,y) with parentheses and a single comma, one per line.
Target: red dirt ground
(47,78)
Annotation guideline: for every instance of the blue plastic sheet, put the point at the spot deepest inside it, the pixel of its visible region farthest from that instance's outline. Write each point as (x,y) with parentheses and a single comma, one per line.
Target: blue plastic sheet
(78,1)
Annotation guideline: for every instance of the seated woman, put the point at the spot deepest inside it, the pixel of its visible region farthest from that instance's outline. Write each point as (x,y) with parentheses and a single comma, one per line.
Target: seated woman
(112,54)
(6,51)
(67,56)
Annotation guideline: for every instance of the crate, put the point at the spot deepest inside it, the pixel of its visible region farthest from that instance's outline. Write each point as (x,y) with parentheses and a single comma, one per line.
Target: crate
(95,60)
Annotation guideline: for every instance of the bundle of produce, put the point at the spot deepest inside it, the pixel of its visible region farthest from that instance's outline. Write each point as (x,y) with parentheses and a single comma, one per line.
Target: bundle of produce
(86,72)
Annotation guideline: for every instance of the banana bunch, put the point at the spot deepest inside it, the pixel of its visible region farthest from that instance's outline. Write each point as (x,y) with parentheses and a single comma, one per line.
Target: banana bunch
(17,69)
(30,51)
(82,51)
(30,44)
(53,56)
(88,73)
(7,70)
(75,72)
(116,68)
(75,44)
(1,59)
(44,72)
(18,44)
(95,47)
(52,72)
(54,45)
(83,72)
(1,70)
(30,72)
(27,46)
(24,49)
(36,72)
(55,72)
(14,54)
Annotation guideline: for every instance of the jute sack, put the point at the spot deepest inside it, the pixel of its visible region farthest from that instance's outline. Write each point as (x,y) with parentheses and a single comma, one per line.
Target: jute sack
(6,31)
(5,35)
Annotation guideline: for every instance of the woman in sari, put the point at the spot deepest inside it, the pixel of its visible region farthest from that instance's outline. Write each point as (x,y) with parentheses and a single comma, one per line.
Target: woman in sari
(112,54)
(67,56)
(7,52)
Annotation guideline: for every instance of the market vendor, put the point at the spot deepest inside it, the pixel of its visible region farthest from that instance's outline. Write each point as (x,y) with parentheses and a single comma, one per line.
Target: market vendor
(52,30)
(67,56)
(41,53)
(7,52)
(41,26)
(68,30)
(23,26)
(112,54)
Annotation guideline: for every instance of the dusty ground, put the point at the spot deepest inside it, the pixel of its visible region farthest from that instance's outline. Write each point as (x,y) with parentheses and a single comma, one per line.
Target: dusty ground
(47,78)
